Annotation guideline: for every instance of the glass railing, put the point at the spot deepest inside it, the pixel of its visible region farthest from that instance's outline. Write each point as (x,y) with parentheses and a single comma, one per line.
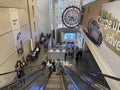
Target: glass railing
(96,79)
(92,75)
(67,82)
(6,78)
(33,73)
(78,83)
(73,78)
(90,81)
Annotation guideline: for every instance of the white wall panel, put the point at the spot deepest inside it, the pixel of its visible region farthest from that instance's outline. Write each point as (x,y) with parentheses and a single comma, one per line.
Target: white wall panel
(23,17)
(7,46)
(43,15)
(13,3)
(5,23)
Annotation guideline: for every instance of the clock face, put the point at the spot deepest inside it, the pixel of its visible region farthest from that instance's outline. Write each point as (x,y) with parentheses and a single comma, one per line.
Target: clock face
(71,17)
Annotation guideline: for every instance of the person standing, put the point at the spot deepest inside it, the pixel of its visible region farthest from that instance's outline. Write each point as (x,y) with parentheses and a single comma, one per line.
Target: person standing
(76,59)
(65,55)
(58,66)
(53,64)
(19,69)
(80,54)
(45,45)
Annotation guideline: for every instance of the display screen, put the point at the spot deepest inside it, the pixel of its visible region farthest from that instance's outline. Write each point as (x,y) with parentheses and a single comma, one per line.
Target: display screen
(69,36)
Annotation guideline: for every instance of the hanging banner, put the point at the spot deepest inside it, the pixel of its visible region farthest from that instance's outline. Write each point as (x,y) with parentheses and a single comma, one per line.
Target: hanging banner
(16,29)
(105,30)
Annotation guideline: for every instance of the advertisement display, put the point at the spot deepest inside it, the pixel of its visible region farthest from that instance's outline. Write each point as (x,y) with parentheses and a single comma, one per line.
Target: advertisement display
(104,32)
(94,32)
(109,21)
(70,36)
(106,28)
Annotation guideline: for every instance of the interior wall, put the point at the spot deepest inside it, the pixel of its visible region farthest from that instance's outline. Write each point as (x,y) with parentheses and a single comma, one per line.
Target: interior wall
(32,17)
(8,52)
(43,16)
(103,55)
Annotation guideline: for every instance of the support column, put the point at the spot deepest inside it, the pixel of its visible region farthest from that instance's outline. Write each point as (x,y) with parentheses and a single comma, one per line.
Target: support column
(54,22)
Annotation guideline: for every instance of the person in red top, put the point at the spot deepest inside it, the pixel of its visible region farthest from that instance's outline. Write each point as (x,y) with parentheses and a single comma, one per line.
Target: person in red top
(36,43)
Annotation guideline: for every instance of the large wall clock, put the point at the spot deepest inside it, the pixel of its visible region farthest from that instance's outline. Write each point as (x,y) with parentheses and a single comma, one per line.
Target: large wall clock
(71,17)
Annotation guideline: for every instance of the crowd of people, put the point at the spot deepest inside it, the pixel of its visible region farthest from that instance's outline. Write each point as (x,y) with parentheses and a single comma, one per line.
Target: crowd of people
(35,53)
(52,65)
(20,64)
(74,53)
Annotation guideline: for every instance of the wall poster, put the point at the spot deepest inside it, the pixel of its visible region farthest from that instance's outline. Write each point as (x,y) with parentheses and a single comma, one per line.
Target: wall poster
(16,29)
(109,21)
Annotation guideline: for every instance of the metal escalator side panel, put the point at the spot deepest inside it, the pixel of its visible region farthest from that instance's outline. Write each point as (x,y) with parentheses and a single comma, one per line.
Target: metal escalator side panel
(43,85)
(74,84)
(33,80)
(66,81)
(89,80)
(81,84)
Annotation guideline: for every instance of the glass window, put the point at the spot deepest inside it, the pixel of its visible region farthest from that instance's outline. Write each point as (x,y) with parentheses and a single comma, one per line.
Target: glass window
(60,7)
(62,4)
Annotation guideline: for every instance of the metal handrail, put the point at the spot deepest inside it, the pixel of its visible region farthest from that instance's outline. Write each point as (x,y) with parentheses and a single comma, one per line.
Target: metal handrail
(7,72)
(42,86)
(80,78)
(34,66)
(108,76)
(23,78)
(64,82)
(99,73)
(93,85)
(75,86)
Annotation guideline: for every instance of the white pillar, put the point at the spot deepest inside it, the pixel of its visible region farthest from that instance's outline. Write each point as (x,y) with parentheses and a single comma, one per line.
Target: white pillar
(54,21)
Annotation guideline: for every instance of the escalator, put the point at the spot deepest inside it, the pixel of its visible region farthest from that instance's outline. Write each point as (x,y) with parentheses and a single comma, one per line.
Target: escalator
(70,78)
(78,83)
(55,82)
(34,78)
(96,82)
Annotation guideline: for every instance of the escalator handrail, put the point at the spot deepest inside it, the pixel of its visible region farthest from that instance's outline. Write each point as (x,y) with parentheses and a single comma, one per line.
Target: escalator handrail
(64,82)
(45,81)
(82,78)
(95,75)
(23,78)
(35,79)
(31,67)
(78,77)
(99,73)
(108,76)
(75,86)
(7,73)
